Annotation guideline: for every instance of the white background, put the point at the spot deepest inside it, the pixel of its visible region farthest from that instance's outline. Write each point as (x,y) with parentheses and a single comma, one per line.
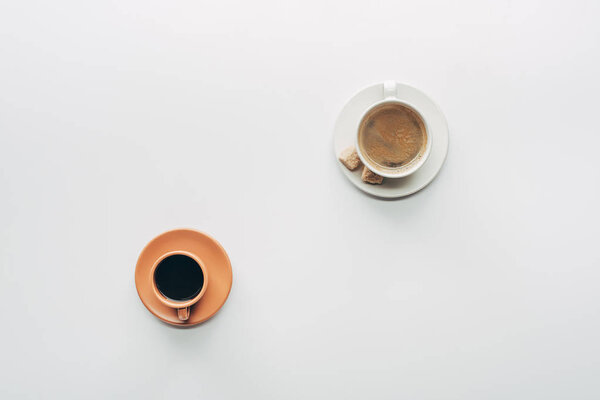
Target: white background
(120,120)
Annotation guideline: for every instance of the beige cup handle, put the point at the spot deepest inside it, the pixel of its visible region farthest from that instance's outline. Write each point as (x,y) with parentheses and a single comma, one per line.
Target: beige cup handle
(183,313)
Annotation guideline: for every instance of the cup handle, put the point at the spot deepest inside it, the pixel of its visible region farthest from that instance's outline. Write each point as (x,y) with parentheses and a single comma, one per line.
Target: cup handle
(390,89)
(183,313)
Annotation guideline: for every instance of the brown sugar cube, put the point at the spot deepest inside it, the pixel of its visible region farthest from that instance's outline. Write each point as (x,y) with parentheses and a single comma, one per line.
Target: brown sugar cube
(371,177)
(349,157)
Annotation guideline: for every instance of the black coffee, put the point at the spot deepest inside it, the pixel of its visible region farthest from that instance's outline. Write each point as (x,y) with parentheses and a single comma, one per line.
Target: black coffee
(179,277)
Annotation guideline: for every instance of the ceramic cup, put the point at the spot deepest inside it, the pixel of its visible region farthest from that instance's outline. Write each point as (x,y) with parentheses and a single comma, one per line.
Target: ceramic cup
(390,96)
(182,307)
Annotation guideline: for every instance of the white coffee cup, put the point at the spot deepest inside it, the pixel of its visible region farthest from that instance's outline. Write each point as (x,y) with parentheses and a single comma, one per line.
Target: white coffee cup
(390,96)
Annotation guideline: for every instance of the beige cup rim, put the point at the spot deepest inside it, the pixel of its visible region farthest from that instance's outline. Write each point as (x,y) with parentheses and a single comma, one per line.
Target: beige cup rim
(174,303)
(404,170)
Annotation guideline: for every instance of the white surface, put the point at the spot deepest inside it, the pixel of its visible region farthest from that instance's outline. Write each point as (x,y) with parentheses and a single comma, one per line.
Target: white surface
(120,120)
(345,131)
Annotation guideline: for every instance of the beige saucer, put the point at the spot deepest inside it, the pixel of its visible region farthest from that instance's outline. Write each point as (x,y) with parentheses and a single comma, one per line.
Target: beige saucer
(215,260)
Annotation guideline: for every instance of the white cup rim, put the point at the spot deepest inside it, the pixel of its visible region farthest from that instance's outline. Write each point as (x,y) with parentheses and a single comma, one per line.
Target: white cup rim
(404,170)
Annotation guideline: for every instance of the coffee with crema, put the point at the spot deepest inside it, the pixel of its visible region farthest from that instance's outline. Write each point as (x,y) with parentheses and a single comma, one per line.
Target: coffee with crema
(392,135)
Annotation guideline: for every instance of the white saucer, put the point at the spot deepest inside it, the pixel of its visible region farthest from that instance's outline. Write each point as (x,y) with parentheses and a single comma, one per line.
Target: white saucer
(344,135)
